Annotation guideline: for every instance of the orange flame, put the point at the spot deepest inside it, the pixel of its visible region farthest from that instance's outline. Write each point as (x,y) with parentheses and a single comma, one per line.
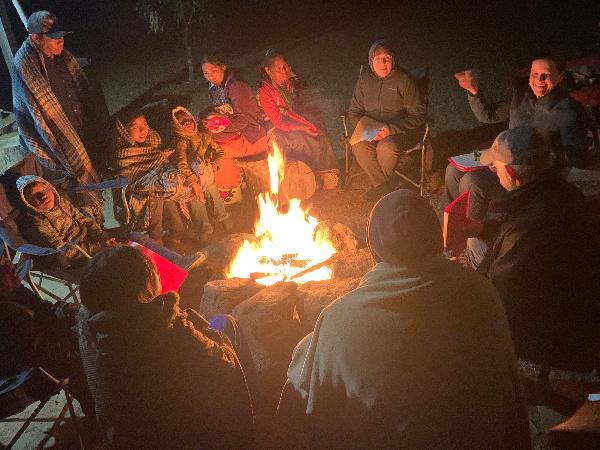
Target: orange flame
(285,243)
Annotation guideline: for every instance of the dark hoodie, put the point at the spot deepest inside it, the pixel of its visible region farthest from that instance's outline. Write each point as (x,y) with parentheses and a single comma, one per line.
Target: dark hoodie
(58,227)
(161,379)
(393,100)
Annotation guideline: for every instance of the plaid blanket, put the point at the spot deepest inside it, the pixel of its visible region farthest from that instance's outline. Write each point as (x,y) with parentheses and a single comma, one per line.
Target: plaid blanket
(44,128)
(149,173)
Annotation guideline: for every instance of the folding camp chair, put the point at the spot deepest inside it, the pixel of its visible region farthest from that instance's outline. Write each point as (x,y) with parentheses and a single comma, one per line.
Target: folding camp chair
(29,385)
(12,239)
(421,77)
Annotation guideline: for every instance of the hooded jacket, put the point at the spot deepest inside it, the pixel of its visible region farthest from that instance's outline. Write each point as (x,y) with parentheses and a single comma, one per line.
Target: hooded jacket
(190,147)
(393,100)
(161,379)
(59,226)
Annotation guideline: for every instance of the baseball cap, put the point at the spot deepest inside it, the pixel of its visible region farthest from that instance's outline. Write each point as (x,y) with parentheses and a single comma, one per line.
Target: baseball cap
(46,23)
(522,145)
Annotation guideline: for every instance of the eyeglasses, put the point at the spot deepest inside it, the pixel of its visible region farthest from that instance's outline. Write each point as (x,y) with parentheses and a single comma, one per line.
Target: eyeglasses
(382,59)
(40,194)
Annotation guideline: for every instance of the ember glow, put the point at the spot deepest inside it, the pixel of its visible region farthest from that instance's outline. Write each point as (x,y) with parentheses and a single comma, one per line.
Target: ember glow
(287,244)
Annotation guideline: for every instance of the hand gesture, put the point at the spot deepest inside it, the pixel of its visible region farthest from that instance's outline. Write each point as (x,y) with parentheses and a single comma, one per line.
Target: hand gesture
(198,192)
(112,242)
(469,80)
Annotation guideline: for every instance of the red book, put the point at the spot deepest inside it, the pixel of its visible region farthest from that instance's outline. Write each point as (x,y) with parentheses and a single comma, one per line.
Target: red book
(455,219)
(171,276)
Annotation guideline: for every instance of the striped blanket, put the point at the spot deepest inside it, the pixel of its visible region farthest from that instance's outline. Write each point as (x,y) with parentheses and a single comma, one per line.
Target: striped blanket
(44,128)
(149,173)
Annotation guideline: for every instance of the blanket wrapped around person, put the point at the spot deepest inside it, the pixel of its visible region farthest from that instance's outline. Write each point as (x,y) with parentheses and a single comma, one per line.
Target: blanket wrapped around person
(149,173)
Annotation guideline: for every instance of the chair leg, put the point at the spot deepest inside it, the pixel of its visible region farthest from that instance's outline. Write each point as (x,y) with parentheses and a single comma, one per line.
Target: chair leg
(543,379)
(27,423)
(74,418)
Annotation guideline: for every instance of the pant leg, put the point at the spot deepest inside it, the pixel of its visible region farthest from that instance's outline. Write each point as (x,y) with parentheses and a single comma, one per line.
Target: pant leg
(211,193)
(366,157)
(230,327)
(451,191)
(177,226)
(476,249)
(199,216)
(155,227)
(484,186)
(387,155)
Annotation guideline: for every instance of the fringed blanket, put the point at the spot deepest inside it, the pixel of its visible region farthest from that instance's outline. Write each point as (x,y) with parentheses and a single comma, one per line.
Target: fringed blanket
(149,173)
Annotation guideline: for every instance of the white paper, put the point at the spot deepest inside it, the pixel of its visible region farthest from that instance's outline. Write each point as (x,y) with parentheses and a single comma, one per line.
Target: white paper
(366,130)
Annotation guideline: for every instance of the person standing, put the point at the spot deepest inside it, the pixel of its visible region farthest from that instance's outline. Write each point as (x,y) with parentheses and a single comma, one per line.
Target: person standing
(60,117)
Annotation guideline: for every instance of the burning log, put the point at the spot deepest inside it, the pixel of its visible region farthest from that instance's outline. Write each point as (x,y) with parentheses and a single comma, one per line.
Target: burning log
(327,262)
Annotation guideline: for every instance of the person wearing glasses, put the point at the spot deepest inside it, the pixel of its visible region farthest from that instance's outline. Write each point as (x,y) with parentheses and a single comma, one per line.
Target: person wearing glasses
(387,94)
(61,119)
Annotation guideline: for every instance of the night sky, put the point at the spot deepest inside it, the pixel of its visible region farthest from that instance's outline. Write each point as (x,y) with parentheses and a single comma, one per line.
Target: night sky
(101,27)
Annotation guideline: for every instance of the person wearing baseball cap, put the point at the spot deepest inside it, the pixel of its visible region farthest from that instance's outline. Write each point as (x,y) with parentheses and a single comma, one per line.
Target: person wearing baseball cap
(60,117)
(544,104)
(543,254)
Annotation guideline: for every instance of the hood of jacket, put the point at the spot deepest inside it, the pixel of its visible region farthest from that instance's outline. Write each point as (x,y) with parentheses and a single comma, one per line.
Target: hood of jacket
(403,230)
(374,46)
(179,133)
(178,128)
(26,180)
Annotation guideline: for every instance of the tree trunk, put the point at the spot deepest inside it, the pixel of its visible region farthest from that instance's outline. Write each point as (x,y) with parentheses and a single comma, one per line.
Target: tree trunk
(188,49)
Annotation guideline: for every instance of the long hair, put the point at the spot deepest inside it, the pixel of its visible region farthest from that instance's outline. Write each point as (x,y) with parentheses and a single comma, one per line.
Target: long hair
(270,56)
(117,277)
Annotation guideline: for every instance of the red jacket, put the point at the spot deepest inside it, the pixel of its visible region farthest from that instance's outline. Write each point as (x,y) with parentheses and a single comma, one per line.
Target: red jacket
(274,106)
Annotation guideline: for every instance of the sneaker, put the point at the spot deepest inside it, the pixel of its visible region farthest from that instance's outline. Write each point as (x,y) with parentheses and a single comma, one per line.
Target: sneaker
(190,262)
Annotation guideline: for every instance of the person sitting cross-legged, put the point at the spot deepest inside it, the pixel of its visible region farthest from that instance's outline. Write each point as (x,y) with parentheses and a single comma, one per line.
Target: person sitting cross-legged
(543,254)
(419,355)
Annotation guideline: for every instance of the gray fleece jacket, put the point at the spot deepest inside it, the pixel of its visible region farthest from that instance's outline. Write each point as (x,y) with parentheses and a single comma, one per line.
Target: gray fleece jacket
(393,100)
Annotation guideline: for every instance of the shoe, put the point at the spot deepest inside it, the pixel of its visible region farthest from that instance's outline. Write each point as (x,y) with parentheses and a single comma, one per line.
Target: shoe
(374,194)
(227,223)
(204,236)
(190,262)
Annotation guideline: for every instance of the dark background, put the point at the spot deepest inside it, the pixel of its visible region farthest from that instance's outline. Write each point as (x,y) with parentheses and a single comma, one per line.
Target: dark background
(103,27)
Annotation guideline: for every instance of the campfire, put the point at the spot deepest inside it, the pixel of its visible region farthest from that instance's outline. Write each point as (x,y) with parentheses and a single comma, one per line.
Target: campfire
(289,246)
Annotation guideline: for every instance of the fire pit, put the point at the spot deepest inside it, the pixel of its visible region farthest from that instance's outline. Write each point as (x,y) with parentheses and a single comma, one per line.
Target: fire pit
(288,243)
(277,281)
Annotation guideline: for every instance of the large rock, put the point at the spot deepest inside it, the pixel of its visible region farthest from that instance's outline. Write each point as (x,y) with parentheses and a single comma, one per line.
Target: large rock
(221,296)
(353,264)
(339,235)
(318,294)
(272,326)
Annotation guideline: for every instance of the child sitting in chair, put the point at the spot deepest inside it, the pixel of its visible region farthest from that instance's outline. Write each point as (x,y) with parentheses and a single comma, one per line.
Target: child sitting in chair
(47,220)
(191,151)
